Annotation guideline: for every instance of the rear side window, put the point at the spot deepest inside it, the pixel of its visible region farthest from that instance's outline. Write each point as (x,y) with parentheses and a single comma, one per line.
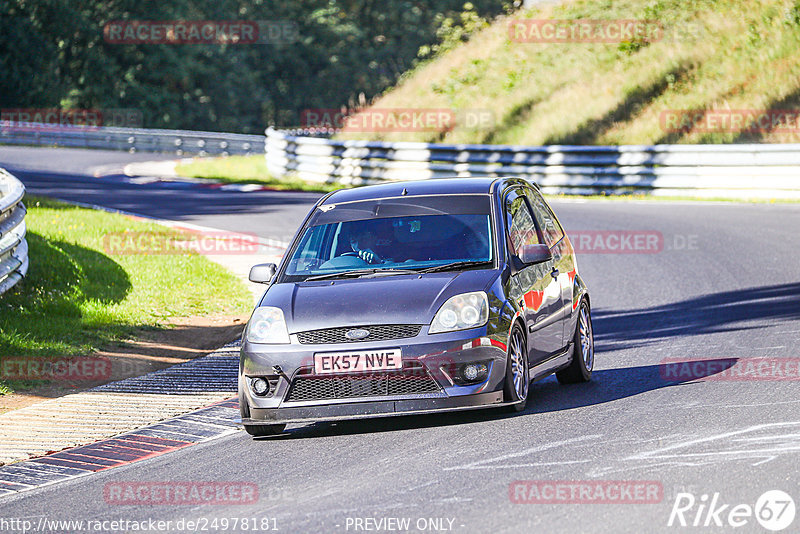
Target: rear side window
(521,226)
(553,233)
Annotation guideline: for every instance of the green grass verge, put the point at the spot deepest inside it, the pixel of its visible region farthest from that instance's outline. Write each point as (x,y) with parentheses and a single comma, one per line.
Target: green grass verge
(247,170)
(77,297)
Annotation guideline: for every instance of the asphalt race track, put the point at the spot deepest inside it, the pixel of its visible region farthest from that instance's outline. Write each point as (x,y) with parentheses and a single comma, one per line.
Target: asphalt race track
(722,283)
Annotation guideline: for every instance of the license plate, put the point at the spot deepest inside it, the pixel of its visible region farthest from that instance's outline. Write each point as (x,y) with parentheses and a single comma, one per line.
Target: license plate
(358,361)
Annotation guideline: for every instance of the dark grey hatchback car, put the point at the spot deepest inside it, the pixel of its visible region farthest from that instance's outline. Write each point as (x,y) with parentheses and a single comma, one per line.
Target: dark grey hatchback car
(411,298)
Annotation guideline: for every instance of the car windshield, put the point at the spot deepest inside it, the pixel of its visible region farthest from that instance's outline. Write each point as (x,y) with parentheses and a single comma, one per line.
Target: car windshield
(394,236)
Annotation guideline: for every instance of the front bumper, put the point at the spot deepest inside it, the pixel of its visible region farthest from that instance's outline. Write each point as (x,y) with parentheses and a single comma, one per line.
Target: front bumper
(370,409)
(435,354)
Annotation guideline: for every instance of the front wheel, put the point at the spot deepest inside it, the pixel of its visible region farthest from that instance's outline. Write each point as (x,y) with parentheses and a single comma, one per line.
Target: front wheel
(517,377)
(256,430)
(580,369)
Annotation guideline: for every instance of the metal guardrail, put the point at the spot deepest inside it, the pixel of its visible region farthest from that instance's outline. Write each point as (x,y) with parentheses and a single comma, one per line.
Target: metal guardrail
(738,170)
(13,246)
(179,142)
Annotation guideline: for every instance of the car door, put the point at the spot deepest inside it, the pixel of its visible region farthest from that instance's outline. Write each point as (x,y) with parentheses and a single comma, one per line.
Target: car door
(536,290)
(563,269)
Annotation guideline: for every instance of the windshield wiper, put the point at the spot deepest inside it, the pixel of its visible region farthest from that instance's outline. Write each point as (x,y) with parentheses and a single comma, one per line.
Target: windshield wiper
(454,265)
(357,273)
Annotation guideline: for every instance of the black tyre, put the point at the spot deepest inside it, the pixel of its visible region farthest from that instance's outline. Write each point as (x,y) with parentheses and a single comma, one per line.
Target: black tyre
(264,430)
(580,370)
(256,430)
(244,409)
(517,378)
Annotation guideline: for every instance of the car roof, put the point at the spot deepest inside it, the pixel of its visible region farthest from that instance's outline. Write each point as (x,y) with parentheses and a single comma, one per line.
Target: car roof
(437,186)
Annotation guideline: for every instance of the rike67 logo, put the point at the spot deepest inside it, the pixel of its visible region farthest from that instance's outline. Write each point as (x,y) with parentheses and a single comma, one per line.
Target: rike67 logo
(774,510)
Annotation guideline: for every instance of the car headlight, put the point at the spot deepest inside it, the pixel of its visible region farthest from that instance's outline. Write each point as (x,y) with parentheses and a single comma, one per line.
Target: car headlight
(267,325)
(468,310)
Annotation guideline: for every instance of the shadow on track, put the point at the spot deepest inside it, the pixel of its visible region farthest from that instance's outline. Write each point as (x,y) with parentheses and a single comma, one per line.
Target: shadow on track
(168,200)
(546,396)
(718,312)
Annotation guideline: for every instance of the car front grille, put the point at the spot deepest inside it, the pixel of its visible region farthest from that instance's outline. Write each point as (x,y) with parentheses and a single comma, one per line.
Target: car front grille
(376,333)
(409,381)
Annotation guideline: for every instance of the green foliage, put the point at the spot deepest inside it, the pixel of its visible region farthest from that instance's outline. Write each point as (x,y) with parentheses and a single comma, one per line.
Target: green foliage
(55,55)
(792,15)
(705,55)
(453,31)
(632,46)
(248,170)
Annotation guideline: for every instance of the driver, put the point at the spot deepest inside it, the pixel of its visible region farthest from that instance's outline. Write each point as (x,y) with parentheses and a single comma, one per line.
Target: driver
(363,243)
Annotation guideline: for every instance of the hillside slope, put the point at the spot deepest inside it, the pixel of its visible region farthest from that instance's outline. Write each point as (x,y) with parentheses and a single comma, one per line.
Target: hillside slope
(713,55)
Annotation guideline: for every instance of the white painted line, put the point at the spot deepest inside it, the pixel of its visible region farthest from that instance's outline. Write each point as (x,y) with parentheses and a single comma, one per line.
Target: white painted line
(525,452)
(659,453)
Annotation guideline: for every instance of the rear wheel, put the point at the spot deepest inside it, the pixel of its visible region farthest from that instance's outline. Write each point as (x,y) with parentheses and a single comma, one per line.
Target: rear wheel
(517,377)
(580,370)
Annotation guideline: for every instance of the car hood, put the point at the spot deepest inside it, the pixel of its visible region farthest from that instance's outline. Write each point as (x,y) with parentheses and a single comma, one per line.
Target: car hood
(398,299)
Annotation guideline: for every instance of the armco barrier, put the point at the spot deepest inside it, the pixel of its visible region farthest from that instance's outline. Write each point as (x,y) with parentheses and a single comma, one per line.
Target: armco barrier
(13,247)
(736,171)
(178,142)
(740,171)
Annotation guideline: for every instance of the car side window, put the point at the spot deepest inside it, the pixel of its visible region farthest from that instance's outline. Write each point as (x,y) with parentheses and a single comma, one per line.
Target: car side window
(521,226)
(314,247)
(553,233)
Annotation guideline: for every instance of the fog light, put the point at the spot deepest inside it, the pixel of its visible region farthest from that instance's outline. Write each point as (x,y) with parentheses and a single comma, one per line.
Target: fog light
(260,386)
(475,372)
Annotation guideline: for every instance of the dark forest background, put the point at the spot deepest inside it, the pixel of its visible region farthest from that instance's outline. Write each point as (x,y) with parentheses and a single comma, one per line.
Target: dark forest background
(54,55)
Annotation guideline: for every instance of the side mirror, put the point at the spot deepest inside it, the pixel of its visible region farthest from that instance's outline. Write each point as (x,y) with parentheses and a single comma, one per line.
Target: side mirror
(532,254)
(262,273)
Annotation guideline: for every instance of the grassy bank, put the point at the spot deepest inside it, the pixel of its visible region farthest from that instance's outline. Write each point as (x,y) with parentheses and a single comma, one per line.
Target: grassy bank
(713,61)
(714,56)
(78,296)
(247,170)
